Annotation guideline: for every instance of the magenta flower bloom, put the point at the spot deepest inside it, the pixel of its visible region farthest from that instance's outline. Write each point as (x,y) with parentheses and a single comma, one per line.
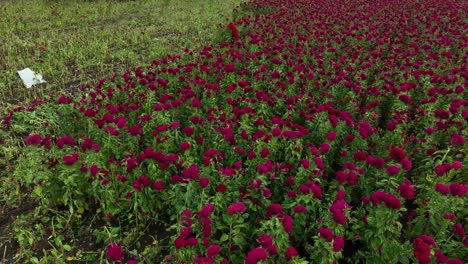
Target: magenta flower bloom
(440,257)
(406,164)
(213,250)
(458,230)
(457,189)
(221,188)
(325,233)
(287,222)
(274,209)
(406,191)
(290,253)
(66,140)
(300,209)
(70,159)
(143,180)
(236,208)
(184,146)
(255,255)
(331,136)
(180,242)
(442,189)
(204,182)
(234,31)
(397,154)
(158,185)
(393,170)
(457,165)
(265,240)
(94,170)
(457,139)
(421,251)
(33,139)
(338,243)
(264,153)
(390,200)
(114,252)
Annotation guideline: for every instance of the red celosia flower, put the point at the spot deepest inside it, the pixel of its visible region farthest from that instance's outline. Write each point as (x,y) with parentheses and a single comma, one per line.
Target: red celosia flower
(273,209)
(94,170)
(406,164)
(137,185)
(390,200)
(180,242)
(184,146)
(104,182)
(442,188)
(338,243)
(255,255)
(459,190)
(136,130)
(450,216)
(188,131)
(213,250)
(304,189)
(272,250)
(340,195)
(234,31)
(143,180)
(428,240)
(397,154)
(265,240)
(290,253)
(331,136)
(324,148)
(326,233)
(458,230)
(339,217)
(158,185)
(66,140)
(317,191)
(191,242)
(441,114)
(33,139)
(406,191)
(393,170)
(440,257)
(114,252)
(264,152)
(87,144)
(236,208)
(287,222)
(422,251)
(70,159)
(204,182)
(441,169)
(221,188)
(300,209)
(457,165)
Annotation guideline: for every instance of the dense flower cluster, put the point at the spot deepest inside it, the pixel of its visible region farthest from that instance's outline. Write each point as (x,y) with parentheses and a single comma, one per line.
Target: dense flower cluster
(337,125)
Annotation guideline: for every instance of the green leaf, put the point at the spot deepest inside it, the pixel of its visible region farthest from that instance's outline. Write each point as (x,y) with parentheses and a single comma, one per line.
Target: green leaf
(224,237)
(67,247)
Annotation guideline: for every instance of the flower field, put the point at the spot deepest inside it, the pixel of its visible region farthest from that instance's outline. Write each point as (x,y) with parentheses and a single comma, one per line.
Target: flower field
(318,132)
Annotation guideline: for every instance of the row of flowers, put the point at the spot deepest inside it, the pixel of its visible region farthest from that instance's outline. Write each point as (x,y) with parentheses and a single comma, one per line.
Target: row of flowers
(322,131)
